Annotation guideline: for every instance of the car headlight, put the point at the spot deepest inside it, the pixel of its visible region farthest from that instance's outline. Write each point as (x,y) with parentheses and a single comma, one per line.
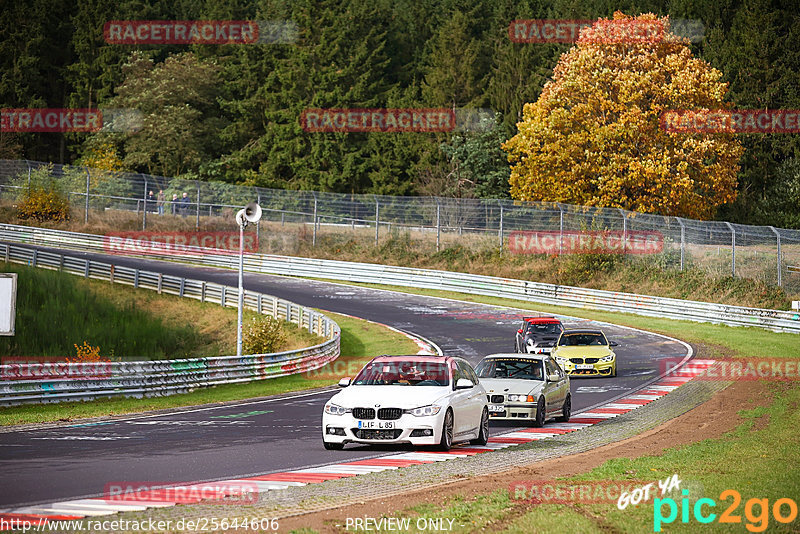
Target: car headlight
(609,358)
(521,398)
(424,411)
(335,409)
(560,359)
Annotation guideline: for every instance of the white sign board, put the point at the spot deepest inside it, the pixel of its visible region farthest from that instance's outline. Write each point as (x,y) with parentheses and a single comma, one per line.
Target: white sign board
(8,303)
(796,304)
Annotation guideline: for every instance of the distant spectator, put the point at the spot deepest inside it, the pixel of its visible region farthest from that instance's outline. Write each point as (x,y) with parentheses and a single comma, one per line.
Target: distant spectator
(160,201)
(185,204)
(151,202)
(174,203)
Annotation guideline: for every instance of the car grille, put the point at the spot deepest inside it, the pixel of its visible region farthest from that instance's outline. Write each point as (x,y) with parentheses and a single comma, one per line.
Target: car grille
(495,399)
(364,413)
(369,433)
(592,360)
(390,413)
(576,360)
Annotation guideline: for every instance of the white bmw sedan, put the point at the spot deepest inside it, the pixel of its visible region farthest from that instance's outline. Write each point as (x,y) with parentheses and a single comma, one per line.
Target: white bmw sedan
(421,400)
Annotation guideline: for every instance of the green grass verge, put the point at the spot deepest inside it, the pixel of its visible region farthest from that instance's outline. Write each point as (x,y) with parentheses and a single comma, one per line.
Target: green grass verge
(360,341)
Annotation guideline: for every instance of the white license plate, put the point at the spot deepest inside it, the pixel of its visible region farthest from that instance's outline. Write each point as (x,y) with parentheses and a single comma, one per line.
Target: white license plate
(584,366)
(379,425)
(496,408)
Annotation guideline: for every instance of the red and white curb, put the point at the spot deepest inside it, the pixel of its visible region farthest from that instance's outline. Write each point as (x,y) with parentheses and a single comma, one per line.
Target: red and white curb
(195,493)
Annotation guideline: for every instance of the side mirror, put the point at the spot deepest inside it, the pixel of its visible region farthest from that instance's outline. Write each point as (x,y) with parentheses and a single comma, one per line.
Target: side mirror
(519,331)
(553,378)
(344,382)
(613,344)
(464,383)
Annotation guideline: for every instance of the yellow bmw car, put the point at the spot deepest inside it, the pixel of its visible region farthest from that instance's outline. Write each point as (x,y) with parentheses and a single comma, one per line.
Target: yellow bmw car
(585,353)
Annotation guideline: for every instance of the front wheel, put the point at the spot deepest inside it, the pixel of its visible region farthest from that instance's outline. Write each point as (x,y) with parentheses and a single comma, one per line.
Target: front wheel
(333,446)
(566,410)
(483,433)
(540,413)
(446,442)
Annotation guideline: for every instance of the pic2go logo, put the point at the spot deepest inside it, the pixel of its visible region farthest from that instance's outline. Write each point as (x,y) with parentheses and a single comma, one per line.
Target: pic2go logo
(756,521)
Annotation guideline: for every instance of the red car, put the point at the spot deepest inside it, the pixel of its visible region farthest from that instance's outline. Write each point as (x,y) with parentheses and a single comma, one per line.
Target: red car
(538,335)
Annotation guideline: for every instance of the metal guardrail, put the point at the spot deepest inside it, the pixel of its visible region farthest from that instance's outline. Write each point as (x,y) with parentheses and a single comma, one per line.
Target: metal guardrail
(61,381)
(576,297)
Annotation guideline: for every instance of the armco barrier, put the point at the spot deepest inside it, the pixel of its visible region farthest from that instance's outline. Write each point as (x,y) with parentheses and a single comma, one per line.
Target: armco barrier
(56,382)
(777,320)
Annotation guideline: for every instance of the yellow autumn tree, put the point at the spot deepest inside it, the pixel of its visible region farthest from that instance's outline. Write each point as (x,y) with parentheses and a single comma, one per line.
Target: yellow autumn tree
(594,137)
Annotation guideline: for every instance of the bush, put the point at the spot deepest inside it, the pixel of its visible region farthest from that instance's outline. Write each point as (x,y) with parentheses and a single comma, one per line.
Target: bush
(42,197)
(263,335)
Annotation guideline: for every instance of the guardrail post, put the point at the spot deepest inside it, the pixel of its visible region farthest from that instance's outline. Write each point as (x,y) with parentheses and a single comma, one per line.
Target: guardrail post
(733,249)
(111,274)
(780,256)
(34,258)
(86,207)
(683,239)
(438,222)
(86,269)
(8,249)
(160,282)
(377,218)
(222,297)
(275,308)
(144,202)
(501,226)
(60,261)
(259,303)
(203,292)
(183,286)
(136,278)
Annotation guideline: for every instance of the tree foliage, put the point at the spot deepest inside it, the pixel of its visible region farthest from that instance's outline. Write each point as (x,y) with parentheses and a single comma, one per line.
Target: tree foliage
(593,136)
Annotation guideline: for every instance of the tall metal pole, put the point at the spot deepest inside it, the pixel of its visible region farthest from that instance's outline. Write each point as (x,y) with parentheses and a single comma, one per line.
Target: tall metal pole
(241,290)
(86,210)
(683,239)
(560,230)
(197,220)
(780,256)
(314,235)
(501,227)
(377,219)
(624,231)
(733,249)
(438,223)
(144,217)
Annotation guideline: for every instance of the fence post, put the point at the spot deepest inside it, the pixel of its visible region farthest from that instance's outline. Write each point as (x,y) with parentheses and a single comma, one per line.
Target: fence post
(314,221)
(501,226)
(560,230)
(197,221)
(28,163)
(377,219)
(86,214)
(144,202)
(258,236)
(438,222)
(733,249)
(780,256)
(683,239)
(624,232)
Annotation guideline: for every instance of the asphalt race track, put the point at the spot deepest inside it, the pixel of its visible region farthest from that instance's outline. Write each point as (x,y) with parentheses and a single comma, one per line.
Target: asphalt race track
(258,437)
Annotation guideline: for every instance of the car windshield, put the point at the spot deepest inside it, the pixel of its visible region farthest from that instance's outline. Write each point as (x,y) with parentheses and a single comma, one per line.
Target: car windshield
(575,340)
(543,329)
(519,368)
(403,373)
